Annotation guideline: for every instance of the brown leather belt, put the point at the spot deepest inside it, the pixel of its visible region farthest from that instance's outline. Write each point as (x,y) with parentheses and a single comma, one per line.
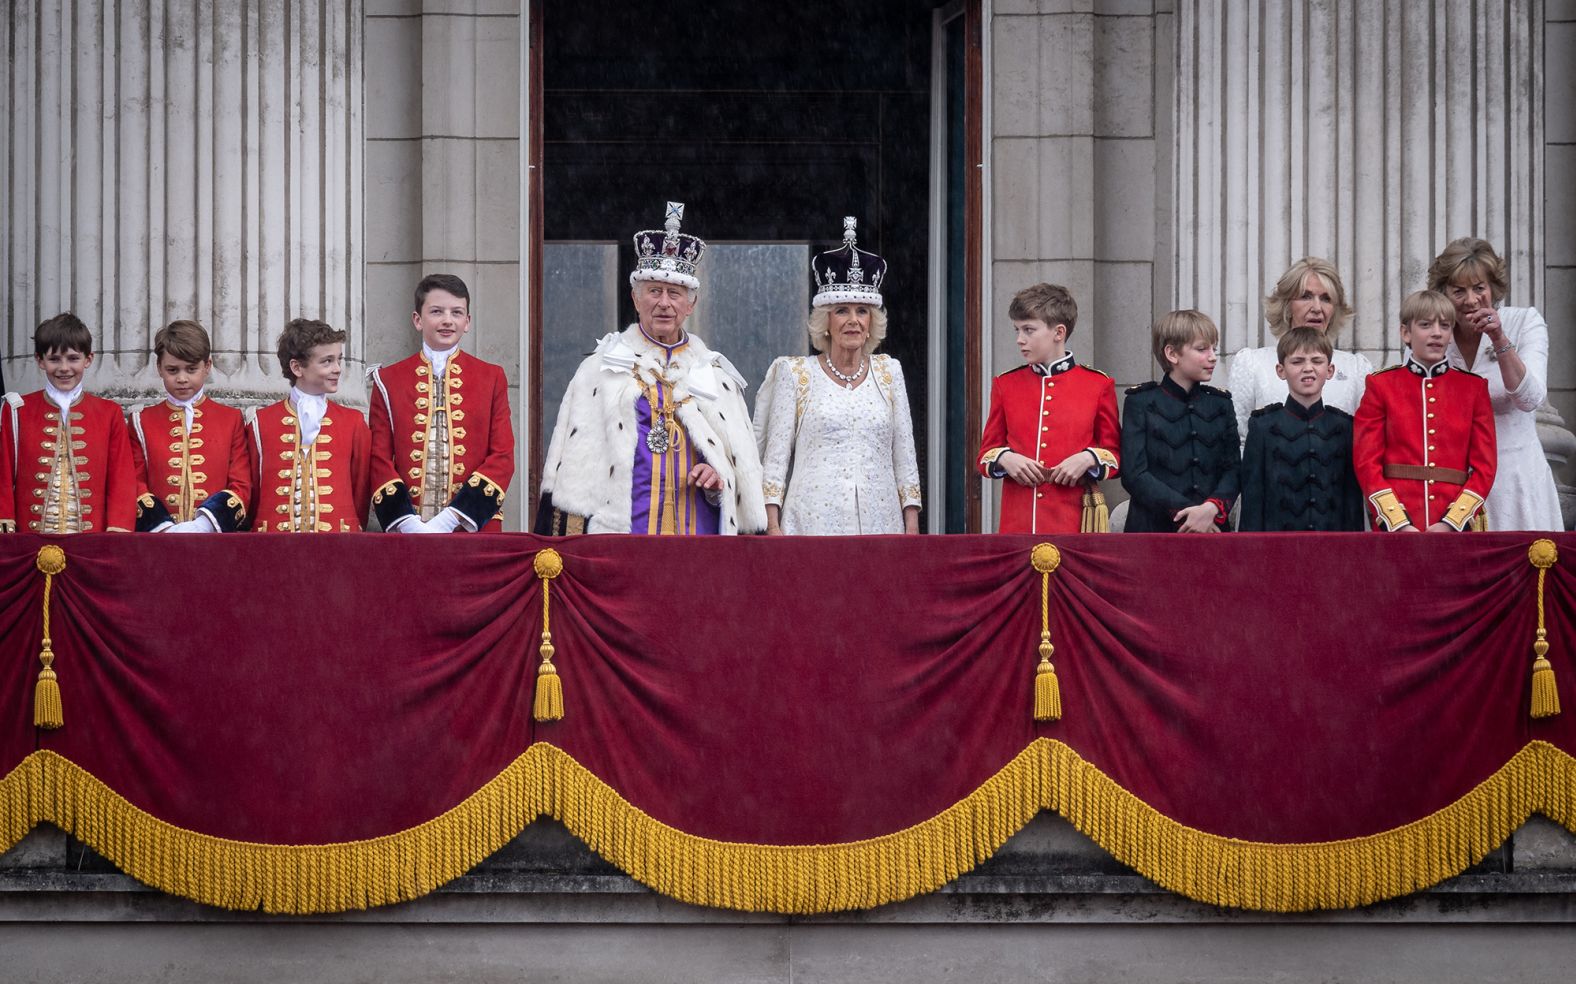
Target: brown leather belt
(1426,473)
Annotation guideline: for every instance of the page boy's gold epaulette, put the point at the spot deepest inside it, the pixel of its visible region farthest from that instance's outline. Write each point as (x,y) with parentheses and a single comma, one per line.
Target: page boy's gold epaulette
(1142,387)
(1268,408)
(1215,389)
(1009,372)
(1094,370)
(1386,369)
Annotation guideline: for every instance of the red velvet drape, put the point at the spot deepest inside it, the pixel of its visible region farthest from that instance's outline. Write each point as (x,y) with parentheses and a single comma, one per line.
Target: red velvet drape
(316,689)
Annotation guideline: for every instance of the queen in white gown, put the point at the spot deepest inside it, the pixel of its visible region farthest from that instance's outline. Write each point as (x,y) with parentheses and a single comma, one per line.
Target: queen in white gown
(835,433)
(1309,294)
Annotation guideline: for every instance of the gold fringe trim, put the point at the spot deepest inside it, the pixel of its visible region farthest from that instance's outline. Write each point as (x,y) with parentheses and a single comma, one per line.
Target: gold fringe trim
(1047,775)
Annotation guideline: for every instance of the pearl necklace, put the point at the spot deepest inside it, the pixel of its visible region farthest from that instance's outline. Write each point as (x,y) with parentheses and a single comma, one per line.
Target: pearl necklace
(848,381)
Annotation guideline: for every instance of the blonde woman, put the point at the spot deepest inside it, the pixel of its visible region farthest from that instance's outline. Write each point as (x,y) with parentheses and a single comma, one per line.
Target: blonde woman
(834,430)
(1308,295)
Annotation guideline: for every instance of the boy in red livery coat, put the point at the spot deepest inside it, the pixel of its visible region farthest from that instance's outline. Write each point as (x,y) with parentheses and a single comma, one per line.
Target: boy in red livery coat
(312,457)
(65,458)
(1423,439)
(1052,427)
(188,443)
(442,438)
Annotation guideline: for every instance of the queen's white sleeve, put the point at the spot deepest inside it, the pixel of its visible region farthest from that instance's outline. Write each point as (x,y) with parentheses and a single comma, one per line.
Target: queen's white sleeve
(905,465)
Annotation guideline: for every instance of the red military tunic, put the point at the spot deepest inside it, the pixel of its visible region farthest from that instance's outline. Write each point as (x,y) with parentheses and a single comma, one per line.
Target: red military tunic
(475,463)
(320,488)
(180,474)
(1423,445)
(84,484)
(1047,413)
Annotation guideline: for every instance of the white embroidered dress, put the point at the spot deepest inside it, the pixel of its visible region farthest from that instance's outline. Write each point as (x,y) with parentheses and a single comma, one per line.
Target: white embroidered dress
(1523,496)
(838,461)
(1254,384)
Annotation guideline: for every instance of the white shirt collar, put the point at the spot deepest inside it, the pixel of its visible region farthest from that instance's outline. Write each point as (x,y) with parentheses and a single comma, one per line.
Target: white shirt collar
(439,359)
(310,410)
(186,405)
(61,399)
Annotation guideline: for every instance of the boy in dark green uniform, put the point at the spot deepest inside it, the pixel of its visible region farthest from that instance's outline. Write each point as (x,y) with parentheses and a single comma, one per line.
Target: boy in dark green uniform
(1297,468)
(1179,436)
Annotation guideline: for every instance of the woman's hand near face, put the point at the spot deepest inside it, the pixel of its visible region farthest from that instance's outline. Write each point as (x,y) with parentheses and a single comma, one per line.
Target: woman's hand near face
(1486,321)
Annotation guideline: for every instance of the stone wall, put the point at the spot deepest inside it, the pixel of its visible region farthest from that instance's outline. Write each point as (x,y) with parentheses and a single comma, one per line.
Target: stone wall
(1049,906)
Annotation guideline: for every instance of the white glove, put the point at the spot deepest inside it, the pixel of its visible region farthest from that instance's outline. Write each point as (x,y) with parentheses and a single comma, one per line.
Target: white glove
(200,524)
(445,522)
(410,524)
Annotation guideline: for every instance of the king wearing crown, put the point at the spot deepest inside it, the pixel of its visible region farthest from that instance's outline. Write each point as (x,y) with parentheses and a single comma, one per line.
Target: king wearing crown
(653,435)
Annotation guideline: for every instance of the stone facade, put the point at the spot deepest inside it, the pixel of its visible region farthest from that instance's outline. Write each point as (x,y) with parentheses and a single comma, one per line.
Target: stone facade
(1050,906)
(243,164)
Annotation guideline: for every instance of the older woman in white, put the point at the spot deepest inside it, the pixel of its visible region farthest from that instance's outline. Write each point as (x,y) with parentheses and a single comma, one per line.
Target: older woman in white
(1308,295)
(1509,347)
(834,430)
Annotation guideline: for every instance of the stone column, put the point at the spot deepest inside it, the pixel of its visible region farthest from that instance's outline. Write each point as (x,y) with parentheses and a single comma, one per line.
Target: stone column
(1371,133)
(182,159)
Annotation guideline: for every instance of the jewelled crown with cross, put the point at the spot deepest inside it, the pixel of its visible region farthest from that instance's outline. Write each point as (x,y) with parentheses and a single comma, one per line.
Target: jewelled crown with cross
(668,256)
(848,274)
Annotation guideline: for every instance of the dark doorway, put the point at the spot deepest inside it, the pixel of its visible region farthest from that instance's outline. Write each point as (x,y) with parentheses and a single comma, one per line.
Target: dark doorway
(769,121)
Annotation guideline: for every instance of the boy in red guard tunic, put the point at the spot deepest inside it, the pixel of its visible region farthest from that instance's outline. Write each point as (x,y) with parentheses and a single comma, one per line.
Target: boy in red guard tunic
(1423,439)
(313,457)
(65,458)
(1052,427)
(442,440)
(187,444)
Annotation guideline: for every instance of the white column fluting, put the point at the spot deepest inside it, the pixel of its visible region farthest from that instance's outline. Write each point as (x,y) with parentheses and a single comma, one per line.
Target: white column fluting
(182,159)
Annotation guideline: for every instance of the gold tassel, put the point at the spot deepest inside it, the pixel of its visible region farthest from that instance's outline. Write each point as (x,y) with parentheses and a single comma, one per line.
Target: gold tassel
(47,709)
(1047,691)
(1096,517)
(1545,694)
(549,703)
(1045,558)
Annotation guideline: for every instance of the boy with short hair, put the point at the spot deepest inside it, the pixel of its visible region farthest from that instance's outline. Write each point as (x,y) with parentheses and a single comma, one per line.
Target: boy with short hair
(312,456)
(1297,466)
(1423,438)
(187,444)
(1179,436)
(1052,427)
(441,420)
(65,458)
